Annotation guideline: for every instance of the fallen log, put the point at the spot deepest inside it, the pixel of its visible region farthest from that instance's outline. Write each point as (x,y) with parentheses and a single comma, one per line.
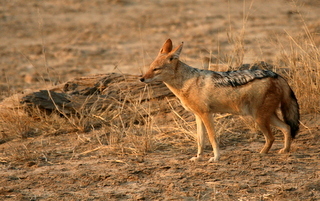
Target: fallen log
(100,98)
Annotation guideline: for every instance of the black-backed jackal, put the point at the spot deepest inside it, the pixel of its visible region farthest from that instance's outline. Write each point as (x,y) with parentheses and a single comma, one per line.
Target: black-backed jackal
(257,93)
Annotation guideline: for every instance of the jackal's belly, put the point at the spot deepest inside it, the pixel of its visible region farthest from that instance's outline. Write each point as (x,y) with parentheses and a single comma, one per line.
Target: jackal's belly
(209,106)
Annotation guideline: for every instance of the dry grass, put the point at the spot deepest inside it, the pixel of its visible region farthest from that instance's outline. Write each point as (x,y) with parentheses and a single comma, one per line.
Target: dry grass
(303,62)
(123,128)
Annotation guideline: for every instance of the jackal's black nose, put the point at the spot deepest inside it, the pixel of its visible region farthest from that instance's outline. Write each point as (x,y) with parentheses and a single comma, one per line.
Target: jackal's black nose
(142,80)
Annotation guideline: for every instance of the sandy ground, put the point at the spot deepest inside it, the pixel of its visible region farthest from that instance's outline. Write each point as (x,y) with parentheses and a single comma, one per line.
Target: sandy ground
(48,42)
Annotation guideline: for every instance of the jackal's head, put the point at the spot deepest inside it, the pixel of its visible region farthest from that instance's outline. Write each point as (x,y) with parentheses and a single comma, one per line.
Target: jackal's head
(165,65)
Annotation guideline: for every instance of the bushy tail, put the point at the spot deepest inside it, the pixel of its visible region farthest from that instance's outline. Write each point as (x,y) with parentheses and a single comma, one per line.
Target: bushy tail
(290,112)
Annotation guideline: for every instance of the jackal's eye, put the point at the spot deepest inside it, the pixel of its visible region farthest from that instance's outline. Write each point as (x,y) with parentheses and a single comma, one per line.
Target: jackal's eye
(171,59)
(156,69)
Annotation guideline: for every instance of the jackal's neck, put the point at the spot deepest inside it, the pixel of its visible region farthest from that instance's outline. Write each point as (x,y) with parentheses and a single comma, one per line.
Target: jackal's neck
(181,78)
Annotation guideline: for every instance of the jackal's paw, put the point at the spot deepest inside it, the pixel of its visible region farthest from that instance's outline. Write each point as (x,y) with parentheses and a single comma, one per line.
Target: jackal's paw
(195,159)
(213,159)
(283,151)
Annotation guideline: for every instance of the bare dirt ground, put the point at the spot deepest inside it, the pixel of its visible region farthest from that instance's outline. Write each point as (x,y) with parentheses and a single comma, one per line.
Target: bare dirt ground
(44,43)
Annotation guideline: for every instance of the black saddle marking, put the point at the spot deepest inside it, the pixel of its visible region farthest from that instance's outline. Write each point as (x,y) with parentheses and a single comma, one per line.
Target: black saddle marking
(242,77)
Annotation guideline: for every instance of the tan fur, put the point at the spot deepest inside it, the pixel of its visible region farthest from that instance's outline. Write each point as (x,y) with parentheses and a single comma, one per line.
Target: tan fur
(198,93)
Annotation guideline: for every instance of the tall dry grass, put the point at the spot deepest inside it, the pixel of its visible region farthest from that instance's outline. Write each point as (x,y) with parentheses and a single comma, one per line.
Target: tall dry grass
(302,58)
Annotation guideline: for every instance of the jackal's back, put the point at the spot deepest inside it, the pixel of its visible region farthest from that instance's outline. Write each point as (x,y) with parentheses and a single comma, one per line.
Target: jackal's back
(238,78)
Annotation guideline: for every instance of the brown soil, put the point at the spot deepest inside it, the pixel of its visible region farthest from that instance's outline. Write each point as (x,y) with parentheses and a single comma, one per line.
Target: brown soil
(47,43)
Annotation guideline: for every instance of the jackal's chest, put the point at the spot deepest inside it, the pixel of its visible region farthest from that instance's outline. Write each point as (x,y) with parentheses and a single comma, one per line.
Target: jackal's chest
(191,100)
(194,104)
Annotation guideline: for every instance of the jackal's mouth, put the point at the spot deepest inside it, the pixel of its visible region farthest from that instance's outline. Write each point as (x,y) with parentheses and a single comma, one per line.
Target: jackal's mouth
(149,80)
(146,80)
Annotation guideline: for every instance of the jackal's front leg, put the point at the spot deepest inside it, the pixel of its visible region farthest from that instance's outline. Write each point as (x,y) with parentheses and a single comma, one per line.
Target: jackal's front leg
(207,120)
(200,138)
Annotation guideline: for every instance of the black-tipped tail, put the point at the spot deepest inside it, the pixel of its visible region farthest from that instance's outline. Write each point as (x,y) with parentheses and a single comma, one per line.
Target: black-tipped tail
(290,111)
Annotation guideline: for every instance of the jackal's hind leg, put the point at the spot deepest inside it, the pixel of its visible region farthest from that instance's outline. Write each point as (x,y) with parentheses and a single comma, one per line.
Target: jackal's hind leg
(266,130)
(275,121)
(200,139)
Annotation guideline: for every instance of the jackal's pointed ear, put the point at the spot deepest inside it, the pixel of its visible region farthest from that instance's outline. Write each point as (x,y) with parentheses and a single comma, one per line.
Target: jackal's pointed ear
(167,47)
(176,52)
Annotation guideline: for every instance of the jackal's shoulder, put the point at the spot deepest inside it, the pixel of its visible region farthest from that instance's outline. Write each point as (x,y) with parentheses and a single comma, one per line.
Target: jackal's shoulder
(241,77)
